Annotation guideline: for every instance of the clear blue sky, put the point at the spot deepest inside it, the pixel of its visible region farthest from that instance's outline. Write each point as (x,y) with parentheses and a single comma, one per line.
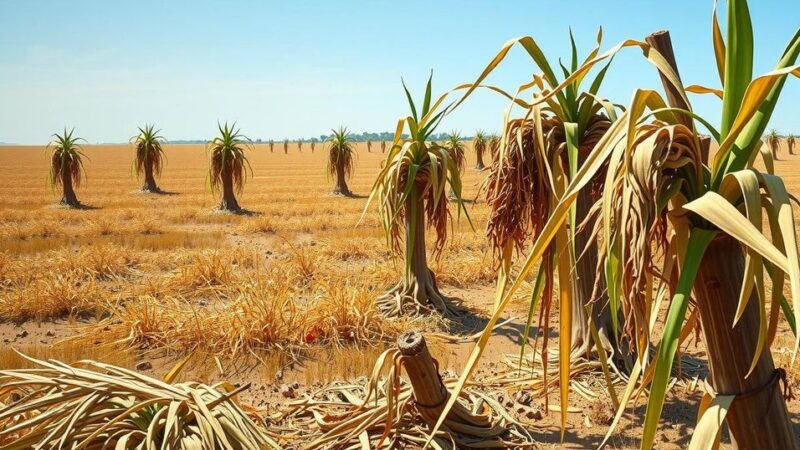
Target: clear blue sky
(297,68)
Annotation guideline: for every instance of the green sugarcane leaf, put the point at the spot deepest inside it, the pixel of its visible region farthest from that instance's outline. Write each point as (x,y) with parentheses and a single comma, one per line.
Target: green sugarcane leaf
(763,92)
(699,239)
(738,62)
(426,104)
(789,314)
(410,100)
(536,295)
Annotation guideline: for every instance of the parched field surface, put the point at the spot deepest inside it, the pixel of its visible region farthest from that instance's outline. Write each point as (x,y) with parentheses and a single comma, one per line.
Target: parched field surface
(283,295)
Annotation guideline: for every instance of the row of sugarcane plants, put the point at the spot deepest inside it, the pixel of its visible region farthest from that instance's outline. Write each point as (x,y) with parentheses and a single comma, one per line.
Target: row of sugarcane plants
(630,223)
(67,162)
(299,143)
(228,167)
(648,233)
(773,142)
(228,170)
(369,146)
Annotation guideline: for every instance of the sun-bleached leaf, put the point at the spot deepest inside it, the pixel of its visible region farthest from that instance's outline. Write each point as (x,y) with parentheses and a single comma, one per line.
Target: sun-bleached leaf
(714,208)
(706,433)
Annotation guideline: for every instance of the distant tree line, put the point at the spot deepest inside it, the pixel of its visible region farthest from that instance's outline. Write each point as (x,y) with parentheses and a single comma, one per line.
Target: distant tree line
(355,137)
(384,136)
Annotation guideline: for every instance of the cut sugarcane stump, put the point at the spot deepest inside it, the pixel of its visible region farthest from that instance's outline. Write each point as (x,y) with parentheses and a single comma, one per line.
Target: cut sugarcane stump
(661,42)
(430,393)
(402,414)
(423,371)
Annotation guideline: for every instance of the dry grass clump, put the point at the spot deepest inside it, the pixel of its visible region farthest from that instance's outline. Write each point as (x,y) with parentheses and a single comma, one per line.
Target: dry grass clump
(304,261)
(30,230)
(11,357)
(255,319)
(104,261)
(59,296)
(167,273)
(463,264)
(263,308)
(51,227)
(43,230)
(12,218)
(217,218)
(104,227)
(345,313)
(357,249)
(208,269)
(101,262)
(7,271)
(111,226)
(61,283)
(147,227)
(127,214)
(181,215)
(261,224)
(174,241)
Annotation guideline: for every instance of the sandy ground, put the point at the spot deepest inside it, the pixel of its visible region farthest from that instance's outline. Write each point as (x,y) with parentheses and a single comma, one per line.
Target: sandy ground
(300,177)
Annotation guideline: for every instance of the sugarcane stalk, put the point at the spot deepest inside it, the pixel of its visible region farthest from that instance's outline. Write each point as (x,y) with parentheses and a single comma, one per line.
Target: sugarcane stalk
(430,393)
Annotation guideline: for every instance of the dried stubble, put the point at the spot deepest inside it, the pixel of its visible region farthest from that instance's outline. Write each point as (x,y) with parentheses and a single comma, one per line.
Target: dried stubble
(163,271)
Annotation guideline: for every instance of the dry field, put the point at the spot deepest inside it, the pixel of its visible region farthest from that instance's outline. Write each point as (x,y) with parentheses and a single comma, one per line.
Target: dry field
(283,295)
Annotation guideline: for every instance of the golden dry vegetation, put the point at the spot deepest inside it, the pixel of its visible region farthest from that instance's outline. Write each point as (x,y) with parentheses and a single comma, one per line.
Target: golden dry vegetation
(167,271)
(150,277)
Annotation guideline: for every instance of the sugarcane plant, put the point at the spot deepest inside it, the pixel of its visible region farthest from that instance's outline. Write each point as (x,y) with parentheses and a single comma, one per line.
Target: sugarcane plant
(300,145)
(313,144)
(773,141)
(411,194)
(383,146)
(369,146)
(791,140)
(285,146)
(493,145)
(455,145)
(479,144)
(662,201)
(229,166)
(536,157)
(341,160)
(149,157)
(271,146)
(66,166)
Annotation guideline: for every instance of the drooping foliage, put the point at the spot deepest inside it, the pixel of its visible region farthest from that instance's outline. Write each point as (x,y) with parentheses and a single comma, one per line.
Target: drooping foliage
(660,197)
(341,154)
(411,192)
(150,157)
(228,156)
(66,158)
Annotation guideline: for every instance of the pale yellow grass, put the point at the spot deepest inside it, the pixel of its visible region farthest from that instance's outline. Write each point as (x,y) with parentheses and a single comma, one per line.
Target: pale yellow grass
(165,271)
